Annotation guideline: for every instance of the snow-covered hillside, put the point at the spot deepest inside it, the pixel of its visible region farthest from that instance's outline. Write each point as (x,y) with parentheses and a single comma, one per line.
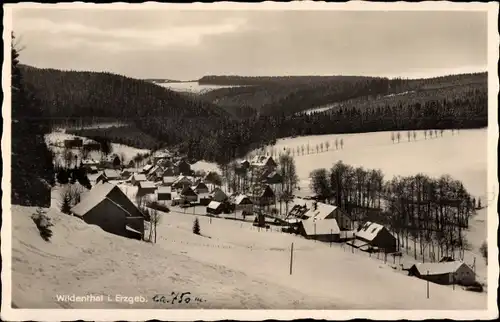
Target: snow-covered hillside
(232,266)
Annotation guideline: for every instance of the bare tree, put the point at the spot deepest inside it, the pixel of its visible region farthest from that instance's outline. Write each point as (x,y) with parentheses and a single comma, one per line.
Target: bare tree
(321,146)
(336,144)
(155,219)
(392,137)
(341,143)
(327,145)
(409,136)
(414,135)
(398,135)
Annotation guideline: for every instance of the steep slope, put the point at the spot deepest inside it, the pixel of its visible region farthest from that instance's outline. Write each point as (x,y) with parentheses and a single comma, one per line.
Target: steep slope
(237,267)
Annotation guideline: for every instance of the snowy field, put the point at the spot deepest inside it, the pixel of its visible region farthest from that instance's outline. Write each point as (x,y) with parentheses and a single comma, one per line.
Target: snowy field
(232,265)
(55,141)
(191,87)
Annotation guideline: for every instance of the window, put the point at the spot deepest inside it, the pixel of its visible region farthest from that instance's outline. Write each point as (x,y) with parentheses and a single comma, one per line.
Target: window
(373,230)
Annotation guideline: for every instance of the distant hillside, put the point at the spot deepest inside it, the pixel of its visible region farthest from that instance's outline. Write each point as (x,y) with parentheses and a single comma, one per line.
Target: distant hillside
(91,94)
(289,95)
(225,124)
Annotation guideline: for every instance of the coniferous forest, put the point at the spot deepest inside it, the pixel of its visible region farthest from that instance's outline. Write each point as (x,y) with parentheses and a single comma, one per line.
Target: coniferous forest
(229,122)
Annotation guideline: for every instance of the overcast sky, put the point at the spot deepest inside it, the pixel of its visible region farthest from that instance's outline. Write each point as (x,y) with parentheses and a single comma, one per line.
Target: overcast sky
(189,44)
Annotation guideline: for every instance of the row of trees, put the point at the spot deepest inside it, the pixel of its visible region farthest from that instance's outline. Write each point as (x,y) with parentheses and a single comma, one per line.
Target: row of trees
(433,212)
(248,180)
(304,149)
(396,136)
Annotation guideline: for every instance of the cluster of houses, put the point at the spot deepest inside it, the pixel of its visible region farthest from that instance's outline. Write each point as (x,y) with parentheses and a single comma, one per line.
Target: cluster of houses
(169,180)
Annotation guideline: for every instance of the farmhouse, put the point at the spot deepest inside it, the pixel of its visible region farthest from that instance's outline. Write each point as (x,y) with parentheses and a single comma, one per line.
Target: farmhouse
(164,193)
(262,161)
(146,188)
(137,178)
(200,187)
(112,174)
(73,143)
(263,195)
(161,155)
(215,208)
(321,211)
(445,273)
(106,206)
(204,198)
(189,194)
(373,235)
(323,230)
(218,195)
(181,182)
(168,181)
(241,202)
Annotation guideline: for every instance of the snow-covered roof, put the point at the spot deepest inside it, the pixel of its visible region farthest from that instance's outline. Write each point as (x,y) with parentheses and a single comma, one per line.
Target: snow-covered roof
(321,212)
(147,185)
(218,194)
(111,174)
(369,231)
(188,191)
(323,227)
(169,179)
(439,268)
(214,205)
(242,199)
(163,189)
(147,167)
(92,198)
(139,177)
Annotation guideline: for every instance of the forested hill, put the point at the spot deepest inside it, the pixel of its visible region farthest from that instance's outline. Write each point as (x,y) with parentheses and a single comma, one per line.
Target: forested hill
(290,95)
(95,94)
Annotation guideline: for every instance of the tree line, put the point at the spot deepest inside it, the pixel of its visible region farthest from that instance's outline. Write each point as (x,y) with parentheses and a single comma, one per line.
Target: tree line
(32,173)
(433,212)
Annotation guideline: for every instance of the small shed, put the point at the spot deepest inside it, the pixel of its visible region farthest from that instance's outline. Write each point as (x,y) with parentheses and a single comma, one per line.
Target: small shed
(164,193)
(242,202)
(182,182)
(445,273)
(112,174)
(215,208)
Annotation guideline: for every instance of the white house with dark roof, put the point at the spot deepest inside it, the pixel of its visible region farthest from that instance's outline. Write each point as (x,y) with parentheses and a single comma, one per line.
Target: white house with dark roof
(320,211)
(454,272)
(373,235)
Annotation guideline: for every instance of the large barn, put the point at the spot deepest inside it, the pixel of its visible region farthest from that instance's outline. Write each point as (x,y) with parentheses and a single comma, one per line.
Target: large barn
(455,272)
(323,230)
(320,211)
(106,206)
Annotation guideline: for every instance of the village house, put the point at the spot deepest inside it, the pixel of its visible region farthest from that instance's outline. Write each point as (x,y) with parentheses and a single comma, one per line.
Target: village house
(241,202)
(263,195)
(146,188)
(189,194)
(273,178)
(73,143)
(374,236)
(321,211)
(111,161)
(262,161)
(215,208)
(218,195)
(106,206)
(445,273)
(182,182)
(168,171)
(137,178)
(326,230)
(155,174)
(200,187)
(204,198)
(161,155)
(164,193)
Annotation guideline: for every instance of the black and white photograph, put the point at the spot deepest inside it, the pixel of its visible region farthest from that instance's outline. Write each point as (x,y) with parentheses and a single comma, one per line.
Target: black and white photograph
(231,160)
